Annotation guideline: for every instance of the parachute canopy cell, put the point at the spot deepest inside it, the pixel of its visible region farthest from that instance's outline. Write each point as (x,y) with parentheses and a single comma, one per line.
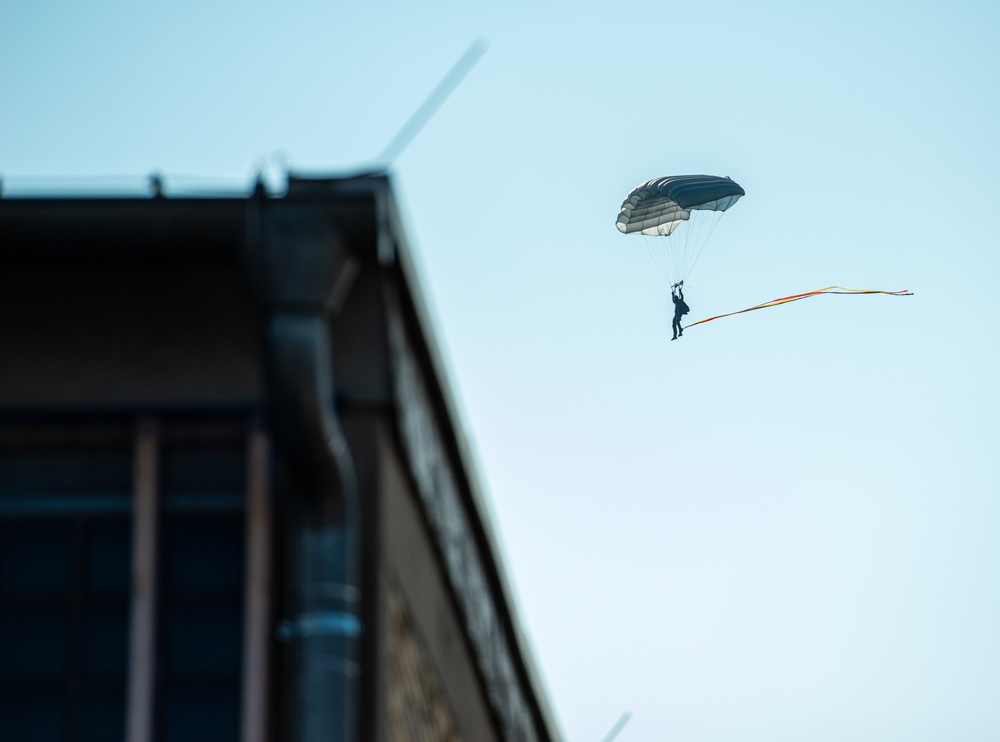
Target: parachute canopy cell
(658,206)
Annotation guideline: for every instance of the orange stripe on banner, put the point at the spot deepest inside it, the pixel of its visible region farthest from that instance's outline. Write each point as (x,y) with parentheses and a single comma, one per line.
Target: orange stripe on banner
(797,297)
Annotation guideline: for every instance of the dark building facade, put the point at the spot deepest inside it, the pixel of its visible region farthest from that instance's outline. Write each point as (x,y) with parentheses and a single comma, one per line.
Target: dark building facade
(235,501)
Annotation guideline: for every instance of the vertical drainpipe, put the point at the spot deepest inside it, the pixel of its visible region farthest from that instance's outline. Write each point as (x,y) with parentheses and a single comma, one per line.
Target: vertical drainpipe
(300,269)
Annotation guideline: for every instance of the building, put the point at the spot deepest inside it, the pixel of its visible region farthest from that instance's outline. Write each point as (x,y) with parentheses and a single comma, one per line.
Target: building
(235,501)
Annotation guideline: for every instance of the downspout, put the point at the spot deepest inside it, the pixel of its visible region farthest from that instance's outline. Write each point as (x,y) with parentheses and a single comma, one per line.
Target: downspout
(300,269)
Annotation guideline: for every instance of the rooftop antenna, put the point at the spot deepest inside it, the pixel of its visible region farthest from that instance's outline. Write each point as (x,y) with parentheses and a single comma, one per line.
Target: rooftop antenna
(433,102)
(619,725)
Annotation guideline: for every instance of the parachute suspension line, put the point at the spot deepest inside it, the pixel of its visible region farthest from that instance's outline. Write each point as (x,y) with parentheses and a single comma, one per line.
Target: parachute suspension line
(688,236)
(797,297)
(655,253)
(660,254)
(651,254)
(710,223)
(674,254)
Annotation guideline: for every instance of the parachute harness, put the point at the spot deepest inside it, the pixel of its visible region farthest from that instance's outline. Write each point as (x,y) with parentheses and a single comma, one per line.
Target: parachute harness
(797,297)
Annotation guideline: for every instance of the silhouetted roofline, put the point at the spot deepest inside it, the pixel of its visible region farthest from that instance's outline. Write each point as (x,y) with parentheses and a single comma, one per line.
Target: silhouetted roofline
(55,226)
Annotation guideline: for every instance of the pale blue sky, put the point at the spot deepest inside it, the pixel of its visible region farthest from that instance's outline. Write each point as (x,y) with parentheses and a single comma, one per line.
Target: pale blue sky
(781,528)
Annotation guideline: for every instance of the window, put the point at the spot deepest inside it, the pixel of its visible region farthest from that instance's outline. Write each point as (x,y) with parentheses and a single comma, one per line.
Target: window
(134,582)
(64,590)
(201,571)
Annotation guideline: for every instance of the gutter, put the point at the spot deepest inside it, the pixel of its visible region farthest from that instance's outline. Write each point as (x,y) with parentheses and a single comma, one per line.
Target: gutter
(300,270)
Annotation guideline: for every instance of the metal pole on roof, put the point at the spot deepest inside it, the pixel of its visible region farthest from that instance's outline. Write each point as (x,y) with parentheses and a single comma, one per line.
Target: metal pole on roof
(619,725)
(433,101)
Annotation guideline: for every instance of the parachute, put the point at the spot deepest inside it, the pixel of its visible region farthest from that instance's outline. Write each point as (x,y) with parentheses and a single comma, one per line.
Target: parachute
(687,204)
(660,206)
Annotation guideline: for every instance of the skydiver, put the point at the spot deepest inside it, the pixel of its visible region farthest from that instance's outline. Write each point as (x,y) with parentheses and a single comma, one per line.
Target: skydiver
(680,308)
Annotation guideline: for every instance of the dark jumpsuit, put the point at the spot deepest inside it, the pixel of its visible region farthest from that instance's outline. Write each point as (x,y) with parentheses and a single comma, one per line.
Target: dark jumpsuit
(680,309)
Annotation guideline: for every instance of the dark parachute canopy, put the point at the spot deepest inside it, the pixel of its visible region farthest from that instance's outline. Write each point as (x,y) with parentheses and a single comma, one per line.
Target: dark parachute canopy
(657,208)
